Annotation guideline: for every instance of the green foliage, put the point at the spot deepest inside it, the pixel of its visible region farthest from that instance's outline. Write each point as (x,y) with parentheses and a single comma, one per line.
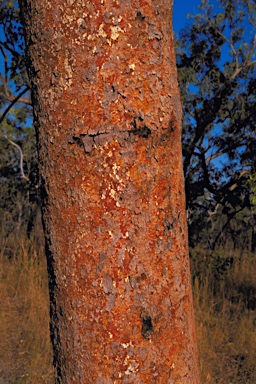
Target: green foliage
(17,141)
(12,47)
(216,64)
(252,186)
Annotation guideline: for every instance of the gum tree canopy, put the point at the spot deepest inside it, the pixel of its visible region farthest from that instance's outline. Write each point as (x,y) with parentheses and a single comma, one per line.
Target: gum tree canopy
(108,122)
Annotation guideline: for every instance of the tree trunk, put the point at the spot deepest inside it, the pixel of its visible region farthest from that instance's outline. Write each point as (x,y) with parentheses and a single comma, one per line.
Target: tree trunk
(108,122)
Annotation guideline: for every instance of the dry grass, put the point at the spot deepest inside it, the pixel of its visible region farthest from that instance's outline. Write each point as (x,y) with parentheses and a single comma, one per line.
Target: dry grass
(25,351)
(225,305)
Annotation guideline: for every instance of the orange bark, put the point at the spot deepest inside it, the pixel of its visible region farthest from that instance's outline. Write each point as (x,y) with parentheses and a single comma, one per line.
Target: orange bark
(108,121)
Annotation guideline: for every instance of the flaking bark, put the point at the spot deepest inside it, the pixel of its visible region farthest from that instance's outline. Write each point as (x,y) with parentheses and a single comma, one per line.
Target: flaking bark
(108,122)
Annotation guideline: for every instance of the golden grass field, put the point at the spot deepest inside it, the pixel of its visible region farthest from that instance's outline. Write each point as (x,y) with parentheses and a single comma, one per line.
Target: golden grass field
(224,285)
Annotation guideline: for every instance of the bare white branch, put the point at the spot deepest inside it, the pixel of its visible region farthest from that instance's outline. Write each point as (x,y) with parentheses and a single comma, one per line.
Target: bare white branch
(21,157)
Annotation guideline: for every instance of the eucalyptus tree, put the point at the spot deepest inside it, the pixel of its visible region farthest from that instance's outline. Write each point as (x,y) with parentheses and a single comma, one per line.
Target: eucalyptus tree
(108,123)
(216,59)
(17,141)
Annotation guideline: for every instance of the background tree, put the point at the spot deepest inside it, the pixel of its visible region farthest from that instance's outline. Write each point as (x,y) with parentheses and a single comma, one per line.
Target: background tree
(108,122)
(216,62)
(17,141)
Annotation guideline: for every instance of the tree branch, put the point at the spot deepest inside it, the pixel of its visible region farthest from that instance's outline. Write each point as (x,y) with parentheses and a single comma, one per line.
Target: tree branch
(12,51)
(25,100)
(230,217)
(21,158)
(12,103)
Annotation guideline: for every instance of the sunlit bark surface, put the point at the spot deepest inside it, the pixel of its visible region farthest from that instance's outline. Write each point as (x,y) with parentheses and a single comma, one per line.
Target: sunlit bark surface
(108,122)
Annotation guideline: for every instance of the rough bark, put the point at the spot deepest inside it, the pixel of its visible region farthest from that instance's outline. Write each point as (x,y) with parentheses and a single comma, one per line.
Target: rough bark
(108,121)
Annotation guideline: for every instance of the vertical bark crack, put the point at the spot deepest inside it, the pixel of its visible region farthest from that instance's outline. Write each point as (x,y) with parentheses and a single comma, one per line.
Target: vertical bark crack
(147,329)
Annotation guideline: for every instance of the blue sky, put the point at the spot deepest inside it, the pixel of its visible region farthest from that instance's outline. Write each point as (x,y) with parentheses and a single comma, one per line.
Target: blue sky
(180,10)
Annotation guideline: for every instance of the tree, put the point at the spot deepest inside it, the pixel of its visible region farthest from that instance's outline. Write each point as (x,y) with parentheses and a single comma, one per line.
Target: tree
(108,124)
(216,62)
(17,141)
